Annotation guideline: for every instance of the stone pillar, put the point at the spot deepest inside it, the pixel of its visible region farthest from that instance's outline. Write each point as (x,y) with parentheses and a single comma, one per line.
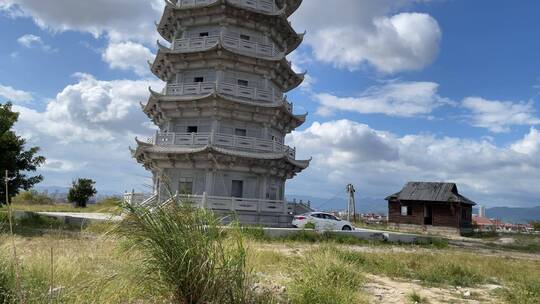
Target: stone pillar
(209,187)
(264,186)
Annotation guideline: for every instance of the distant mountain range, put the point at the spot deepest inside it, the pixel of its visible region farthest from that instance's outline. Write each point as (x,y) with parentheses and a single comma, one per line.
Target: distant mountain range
(514,214)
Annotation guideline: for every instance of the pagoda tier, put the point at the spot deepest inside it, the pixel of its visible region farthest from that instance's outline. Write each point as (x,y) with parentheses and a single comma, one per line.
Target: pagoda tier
(165,108)
(169,62)
(177,18)
(156,156)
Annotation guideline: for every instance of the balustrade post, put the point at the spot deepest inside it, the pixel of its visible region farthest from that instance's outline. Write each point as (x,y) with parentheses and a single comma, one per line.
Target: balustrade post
(204,200)
(174,139)
(285,207)
(156,138)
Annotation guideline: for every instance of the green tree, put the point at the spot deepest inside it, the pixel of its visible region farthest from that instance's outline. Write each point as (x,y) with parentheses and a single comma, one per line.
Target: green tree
(536,225)
(81,191)
(14,158)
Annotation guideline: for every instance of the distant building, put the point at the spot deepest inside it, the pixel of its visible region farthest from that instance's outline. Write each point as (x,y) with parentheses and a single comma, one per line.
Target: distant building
(433,207)
(483,224)
(482,211)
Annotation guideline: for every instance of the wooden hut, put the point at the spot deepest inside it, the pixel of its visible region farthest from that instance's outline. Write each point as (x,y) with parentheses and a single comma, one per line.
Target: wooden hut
(432,207)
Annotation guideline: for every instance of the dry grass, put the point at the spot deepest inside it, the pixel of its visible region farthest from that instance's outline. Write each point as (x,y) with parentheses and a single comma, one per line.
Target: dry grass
(111,206)
(98,269)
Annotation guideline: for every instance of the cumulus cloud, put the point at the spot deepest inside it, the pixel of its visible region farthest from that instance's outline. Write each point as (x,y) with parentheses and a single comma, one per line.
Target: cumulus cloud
(31,41)
(14,95)
(379,162)
(128,56)
(91,110)
(87,128)
(405,99)
(356,32)
(499,116)
(119,20)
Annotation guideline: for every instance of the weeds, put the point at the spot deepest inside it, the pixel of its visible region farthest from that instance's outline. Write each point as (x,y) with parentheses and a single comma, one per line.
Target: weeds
(323,279)
(187,250)
(7,281)
(415,298)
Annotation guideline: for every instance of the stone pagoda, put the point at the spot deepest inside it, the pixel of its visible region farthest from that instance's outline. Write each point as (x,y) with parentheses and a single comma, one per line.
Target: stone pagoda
(223,116)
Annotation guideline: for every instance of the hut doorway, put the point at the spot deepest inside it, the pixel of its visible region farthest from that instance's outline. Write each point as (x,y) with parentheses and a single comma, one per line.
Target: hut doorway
(428,215)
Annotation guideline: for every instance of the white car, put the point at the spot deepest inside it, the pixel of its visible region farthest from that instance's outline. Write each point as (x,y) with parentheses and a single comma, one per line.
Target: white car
(322,221)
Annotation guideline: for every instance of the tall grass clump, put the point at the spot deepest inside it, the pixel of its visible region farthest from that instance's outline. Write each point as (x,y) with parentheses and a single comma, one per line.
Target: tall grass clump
(7,281)
(323,279)
(187,250)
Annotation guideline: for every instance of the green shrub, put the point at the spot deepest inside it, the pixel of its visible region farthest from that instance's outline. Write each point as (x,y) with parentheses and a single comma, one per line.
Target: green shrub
(34,220)
(186,249)
(32,197)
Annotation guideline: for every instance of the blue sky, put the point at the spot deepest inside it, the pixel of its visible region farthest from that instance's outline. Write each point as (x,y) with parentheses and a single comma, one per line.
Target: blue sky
(397,90)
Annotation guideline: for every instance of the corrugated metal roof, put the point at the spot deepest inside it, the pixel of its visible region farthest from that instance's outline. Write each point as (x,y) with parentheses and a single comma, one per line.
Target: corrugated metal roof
(431,192)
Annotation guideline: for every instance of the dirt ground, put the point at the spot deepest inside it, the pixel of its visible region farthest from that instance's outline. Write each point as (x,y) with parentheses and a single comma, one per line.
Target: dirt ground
(389,291)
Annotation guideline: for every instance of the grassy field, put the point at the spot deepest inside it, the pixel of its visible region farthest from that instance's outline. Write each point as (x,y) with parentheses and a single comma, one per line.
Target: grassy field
(106,206)
(67,268)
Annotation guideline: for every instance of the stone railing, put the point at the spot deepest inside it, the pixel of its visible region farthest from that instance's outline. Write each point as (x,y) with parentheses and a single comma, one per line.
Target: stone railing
(137,198)
(266,6)
(194,140)
(222,203)
(194,44)
(250,94)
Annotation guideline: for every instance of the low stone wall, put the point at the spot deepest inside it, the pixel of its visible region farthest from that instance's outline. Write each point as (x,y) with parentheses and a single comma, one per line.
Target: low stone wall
(426,229)
(361,234)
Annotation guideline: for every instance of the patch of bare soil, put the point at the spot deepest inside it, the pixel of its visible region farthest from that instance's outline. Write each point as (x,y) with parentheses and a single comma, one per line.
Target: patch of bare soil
(389,291)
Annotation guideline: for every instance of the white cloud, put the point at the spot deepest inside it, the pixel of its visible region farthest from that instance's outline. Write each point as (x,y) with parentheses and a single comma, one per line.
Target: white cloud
(58,165)
(120,19)
(31,41)
(530,144)
(128,55)
(379,162)
(86,129)
(499,116)
(14,95)
(91,111)
(405,99)
(355,32)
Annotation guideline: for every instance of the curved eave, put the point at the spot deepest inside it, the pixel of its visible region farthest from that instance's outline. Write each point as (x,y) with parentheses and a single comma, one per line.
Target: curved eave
(156,97)
(143,148)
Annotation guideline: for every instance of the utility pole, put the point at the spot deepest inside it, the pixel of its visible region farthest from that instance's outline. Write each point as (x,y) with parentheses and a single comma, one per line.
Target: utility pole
(352,204)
